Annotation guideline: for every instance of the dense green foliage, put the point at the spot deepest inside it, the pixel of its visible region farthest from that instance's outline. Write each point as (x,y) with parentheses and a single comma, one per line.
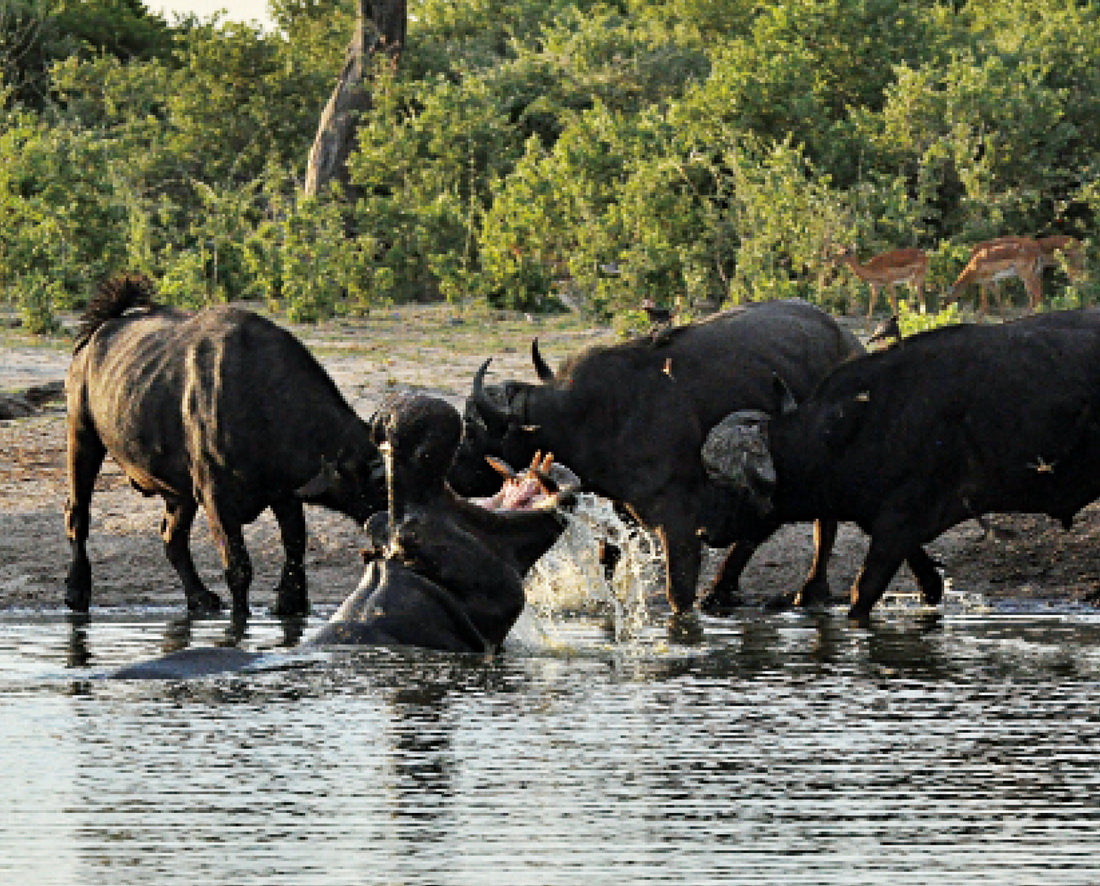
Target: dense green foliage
(534,152)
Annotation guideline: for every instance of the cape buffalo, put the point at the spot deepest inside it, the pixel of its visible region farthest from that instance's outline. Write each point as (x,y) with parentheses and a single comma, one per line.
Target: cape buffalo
(630,420)
(444,573)
(221,408)
(954,423)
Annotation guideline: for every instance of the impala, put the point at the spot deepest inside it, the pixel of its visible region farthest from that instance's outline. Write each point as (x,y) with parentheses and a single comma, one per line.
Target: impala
(889,269)
(993,260)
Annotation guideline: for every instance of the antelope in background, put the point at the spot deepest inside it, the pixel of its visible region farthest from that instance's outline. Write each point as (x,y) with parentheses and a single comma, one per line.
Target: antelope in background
(1015,256)
(999,259)
(889,269)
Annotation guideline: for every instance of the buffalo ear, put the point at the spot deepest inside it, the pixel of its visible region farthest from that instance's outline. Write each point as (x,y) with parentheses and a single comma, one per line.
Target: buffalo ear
(784,396)
(843,420)
(325,480)
(736,453)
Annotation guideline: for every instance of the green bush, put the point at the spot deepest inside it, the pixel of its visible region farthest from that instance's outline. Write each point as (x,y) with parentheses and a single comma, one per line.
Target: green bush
(912,321)
(534,153)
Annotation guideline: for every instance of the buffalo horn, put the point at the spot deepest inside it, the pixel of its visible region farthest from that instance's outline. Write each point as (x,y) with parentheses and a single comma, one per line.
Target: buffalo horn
(545,373)
(483,401)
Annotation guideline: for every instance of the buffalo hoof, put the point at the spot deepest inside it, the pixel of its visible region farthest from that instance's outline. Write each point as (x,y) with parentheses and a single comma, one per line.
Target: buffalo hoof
(78,587)
(859,615)
(685,628)
(931,590)
(781,602)
(291,597)
(814,593)
(721,603)
(204,602)
(290,607)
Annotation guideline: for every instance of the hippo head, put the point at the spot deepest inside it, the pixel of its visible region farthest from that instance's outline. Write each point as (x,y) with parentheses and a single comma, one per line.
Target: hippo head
(736,457)
(421,434)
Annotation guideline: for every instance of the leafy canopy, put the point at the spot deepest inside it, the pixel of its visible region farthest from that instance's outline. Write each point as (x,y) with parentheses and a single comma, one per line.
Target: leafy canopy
(539,153)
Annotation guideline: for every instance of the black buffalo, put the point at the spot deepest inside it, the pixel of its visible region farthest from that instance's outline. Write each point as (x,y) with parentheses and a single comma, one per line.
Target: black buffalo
(953,424)
(443,573)
(630,420)
(221,408)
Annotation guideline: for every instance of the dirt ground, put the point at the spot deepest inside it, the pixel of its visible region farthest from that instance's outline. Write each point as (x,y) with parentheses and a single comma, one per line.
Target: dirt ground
(435,350)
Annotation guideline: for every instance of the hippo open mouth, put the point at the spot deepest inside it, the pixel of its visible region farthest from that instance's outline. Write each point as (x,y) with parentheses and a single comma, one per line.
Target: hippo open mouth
(538,486)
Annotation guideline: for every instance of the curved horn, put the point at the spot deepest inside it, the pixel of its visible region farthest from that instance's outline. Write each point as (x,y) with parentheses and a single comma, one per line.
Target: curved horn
(545,373)
(483,401)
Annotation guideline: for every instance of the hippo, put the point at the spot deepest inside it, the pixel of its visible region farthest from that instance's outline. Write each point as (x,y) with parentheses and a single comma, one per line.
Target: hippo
(443,572)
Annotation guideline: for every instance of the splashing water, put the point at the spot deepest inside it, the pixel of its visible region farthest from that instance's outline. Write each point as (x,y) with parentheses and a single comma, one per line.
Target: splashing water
(571,579)
(393,546)
(955,602)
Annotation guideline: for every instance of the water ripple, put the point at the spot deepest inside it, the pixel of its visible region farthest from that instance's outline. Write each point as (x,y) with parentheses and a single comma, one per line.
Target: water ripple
(954,748)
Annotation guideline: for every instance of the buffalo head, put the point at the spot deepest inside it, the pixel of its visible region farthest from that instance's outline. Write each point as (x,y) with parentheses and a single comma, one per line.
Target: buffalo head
(736,457)
(355,483)
(495,425)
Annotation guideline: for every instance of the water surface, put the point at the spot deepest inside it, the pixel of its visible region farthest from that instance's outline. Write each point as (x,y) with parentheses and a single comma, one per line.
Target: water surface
(948,749)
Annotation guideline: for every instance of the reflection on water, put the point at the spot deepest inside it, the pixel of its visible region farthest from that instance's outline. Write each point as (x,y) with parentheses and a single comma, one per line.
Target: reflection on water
(758,749)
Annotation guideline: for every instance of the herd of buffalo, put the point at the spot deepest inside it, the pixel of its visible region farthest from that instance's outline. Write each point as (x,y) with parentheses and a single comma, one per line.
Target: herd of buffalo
(711,433)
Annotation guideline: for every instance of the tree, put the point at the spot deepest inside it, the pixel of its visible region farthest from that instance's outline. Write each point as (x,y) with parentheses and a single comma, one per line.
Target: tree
(379,26)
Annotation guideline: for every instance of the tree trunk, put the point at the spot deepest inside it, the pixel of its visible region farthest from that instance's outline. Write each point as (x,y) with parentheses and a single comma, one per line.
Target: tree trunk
(379,27)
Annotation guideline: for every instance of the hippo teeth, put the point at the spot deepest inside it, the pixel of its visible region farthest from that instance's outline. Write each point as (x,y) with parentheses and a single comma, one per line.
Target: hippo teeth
(521,494)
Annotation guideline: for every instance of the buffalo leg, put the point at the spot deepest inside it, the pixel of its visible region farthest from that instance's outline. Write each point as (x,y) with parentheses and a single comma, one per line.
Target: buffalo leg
(235,559)
(291,596)
(682,557)
(85,457)
(927,574)
(884,557)
(816,587)
(725,590)
(175,531)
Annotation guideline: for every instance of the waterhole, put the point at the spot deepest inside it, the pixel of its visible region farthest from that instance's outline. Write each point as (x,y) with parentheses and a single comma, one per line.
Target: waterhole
(605,745)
